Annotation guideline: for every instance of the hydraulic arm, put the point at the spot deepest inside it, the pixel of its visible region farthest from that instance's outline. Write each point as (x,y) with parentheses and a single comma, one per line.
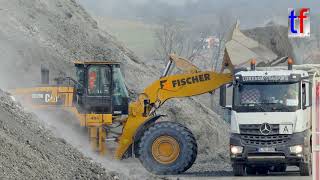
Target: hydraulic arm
(191,82)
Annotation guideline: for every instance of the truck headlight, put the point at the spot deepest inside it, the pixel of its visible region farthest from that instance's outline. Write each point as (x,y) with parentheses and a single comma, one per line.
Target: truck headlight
(296,149)
(236,149)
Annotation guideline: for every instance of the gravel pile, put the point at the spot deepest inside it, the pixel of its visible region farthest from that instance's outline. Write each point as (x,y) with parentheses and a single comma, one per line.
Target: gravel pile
(274,37)
(29,151)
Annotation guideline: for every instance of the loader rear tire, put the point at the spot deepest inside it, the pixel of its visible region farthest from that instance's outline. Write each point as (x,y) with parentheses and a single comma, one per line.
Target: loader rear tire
(167,148)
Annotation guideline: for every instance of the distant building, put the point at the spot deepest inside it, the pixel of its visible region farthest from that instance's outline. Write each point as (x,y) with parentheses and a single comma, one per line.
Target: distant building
(210,42)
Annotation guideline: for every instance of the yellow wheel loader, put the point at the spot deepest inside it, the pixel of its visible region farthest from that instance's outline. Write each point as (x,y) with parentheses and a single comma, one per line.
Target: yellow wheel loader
(100,100)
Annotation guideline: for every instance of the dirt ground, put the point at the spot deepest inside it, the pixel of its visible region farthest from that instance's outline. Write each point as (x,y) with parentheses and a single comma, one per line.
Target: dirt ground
(291,174)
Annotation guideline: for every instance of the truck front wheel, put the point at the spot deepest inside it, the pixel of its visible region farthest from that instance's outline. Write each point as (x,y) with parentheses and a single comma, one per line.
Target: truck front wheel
(238,169)
(306,165)
(251,170)
(167,148)
(305,169)
(280,168)
(263,170)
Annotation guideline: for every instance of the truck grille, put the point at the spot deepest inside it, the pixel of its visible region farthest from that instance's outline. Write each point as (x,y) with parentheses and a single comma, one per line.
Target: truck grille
(251,135)
(265,140)
(254,129)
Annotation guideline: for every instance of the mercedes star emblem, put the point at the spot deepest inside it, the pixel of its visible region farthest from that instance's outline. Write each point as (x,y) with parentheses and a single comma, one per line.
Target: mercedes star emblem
(265,129)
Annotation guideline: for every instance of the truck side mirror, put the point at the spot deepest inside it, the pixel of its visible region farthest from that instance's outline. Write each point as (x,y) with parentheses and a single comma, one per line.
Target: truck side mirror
(306,94)
(223,98)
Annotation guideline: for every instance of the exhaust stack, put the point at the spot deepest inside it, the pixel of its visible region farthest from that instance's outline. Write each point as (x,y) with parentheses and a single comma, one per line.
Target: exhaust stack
(290,64)
(44,75)
(253,64)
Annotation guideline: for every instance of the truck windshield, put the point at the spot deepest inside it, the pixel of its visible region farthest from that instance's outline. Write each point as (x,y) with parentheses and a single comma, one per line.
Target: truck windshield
(269,97)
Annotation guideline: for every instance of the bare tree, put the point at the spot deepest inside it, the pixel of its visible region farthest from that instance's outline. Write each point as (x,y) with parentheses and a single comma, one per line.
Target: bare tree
(176,36)
(187,40)
(169,37)
(196,41)
(221,32)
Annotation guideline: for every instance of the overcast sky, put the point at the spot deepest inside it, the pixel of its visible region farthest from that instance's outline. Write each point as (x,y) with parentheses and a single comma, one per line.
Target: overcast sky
(250,12)
(171,2)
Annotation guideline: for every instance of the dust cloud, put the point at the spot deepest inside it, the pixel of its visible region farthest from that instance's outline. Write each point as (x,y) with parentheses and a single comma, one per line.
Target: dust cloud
(65,125)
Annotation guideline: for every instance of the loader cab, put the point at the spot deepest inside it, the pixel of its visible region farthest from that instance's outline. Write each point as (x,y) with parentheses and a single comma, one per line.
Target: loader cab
(101,88)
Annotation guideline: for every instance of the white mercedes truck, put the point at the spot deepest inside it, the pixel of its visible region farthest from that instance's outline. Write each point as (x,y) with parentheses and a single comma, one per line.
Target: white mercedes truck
(271,118)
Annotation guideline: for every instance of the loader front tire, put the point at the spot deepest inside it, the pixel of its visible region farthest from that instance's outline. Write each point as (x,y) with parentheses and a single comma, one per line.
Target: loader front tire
(167,148)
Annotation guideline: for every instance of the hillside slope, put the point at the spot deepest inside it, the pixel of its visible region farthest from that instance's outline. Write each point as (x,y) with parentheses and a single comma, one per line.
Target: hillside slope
(29,151)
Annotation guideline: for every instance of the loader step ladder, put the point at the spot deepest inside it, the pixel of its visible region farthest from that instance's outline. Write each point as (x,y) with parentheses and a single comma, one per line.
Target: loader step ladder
(316,137)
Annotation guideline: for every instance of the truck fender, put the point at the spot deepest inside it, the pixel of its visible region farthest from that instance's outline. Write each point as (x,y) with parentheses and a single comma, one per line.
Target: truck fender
(140,131)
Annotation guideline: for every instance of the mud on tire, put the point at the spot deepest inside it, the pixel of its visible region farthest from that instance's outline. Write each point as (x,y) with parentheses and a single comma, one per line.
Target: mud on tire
(185,152)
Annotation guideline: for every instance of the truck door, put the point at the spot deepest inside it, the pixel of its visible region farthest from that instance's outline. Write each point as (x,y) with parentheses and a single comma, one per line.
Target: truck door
(307,102)
(316,135)
(226,96)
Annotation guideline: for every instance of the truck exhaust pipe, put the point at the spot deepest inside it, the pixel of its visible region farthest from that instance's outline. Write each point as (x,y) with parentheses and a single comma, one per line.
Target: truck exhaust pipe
(290,63)
(253,64)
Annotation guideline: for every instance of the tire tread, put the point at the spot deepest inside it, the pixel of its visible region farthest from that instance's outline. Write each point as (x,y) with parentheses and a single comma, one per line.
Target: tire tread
(190,142)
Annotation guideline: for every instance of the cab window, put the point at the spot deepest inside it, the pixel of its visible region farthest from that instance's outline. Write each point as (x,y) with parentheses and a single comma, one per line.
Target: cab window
(120,92)
(99,78)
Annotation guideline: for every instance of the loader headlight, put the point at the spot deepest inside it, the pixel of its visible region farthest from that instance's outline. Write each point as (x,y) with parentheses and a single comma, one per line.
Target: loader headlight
(236,149)
(296,149)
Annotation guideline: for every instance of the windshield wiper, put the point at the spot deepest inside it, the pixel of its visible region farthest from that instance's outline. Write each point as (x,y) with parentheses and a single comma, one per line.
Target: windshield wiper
(280,106)
(260,107)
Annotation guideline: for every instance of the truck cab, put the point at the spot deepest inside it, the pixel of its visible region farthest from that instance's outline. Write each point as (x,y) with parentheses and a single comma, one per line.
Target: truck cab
(271,117)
